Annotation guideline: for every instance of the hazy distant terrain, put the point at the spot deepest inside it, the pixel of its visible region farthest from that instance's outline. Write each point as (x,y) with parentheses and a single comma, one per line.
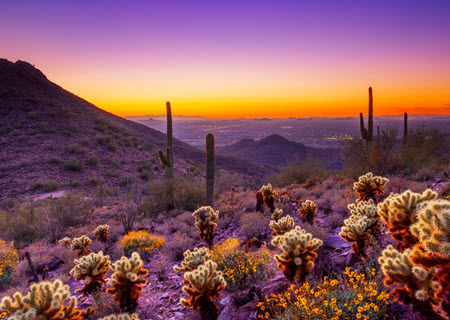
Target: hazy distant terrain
(313,132)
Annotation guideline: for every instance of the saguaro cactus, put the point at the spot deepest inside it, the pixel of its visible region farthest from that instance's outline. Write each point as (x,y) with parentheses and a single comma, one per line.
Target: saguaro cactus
(167,160)
(210,169)
(405,128)
(367,134)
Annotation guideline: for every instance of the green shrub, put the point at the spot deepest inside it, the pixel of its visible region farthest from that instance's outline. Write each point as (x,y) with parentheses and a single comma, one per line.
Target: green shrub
(95,181)
(127,180)
(189,195)
(73,164)
(46,185)
(75,148)
(299,171)
(75,183)
(112,146)
(92,160)
(54,160)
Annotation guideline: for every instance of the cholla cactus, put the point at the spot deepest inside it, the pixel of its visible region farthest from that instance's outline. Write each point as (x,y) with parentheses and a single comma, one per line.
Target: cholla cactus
(127,282)
(193,259)
(45,300)
(81,244)
(419,287)
(269,196)
(299,252)
(357,230)
(101,233)
(369,187)
(203,285)
(122,316)
(92,269)
(432,229)
(259,202)
(399,212)
(308,211)
(205,218)
(64,241)
(282,226)
(277,214)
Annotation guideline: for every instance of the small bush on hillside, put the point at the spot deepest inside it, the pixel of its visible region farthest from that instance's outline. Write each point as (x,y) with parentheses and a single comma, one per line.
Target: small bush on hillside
(189,195)
(54,160)
(127,180)
(92,160)
(141,241)
(254,225)
(75,183)
(73,164)
(300,171)
(75,148)
(178,243)
(8,262)
(240,269)
(112,146)
(95,181)
(46,185)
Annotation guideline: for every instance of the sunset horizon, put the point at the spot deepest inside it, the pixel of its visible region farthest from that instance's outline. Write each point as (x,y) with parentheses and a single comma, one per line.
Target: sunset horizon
(294,59)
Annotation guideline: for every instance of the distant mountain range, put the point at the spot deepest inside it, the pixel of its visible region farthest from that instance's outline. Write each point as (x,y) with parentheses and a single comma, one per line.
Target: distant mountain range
(276,151)
(52,139)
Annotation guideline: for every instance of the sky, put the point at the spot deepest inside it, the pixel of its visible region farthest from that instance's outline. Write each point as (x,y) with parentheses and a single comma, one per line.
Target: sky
(238,58)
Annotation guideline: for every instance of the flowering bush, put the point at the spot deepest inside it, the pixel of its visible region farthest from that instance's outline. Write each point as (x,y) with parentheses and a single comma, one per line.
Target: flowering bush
(354,296)
(240,269)
(141,241)
(8,261)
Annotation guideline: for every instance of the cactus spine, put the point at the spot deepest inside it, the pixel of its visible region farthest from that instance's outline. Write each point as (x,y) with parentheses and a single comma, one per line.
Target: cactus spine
(210,169)
(167,160)
(367,134)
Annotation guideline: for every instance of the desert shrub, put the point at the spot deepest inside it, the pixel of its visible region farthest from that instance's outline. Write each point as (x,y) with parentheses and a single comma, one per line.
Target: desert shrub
(240,269)
(141,241)
(299,171)
(352,296)
(254,225)
(92,160)
(112,146)
(8,261)
(75,148)
(95,181)
(179,242)
(48,219)
(127,180)
(46,185)
(130,208)
(189,195)
(75,183)
(54,160)
(73,164)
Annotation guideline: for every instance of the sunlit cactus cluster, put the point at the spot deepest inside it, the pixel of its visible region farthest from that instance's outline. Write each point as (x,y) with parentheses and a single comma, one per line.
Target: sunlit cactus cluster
(45,300)
(298,253)
(81,244)
(205,222)
(361,227)
(127,282)
(122,316)
(202,282)
(277,213)
(308,211)
(369,186)
(282,226)
(92,269)
(101,233)
(64,241)
(399,212)
(269,196)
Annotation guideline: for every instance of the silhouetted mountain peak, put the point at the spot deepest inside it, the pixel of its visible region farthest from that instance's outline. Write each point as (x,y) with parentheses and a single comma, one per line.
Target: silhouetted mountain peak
(19,68)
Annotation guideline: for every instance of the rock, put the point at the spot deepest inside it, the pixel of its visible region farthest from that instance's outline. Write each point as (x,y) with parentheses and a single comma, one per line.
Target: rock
(178,314)
(225,314)
(225,301)
(165,295)
(335,242)
(176,277)
(351,260)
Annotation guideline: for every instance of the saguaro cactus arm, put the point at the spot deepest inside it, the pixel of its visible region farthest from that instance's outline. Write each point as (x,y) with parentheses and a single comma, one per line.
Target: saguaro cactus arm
(210,169)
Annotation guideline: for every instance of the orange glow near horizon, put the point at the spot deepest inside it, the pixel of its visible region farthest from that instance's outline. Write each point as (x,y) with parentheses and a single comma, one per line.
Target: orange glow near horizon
(239,58)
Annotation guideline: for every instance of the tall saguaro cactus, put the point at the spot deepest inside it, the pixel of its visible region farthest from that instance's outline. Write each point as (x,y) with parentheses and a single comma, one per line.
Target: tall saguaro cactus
(210,169)
(367,134)
(405,128)
(167,160)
